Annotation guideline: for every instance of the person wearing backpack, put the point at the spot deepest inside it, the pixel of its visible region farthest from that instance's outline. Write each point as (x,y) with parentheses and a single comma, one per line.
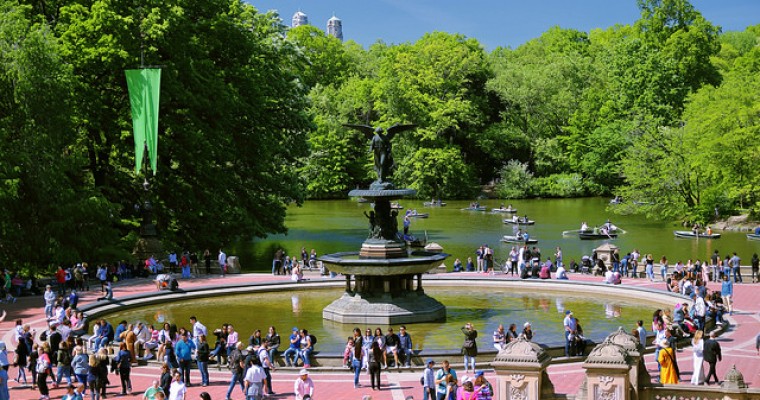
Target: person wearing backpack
(428,381)
(124,366)
(237,368)
(63,359)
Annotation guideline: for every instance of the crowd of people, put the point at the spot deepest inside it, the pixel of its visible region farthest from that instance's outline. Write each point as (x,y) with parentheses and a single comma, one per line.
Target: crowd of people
(61,352)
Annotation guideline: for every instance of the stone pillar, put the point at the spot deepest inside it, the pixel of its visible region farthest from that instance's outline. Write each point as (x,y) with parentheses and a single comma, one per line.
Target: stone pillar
(419,282)
(607,373)
(348,284)
(521,370)
(638,375)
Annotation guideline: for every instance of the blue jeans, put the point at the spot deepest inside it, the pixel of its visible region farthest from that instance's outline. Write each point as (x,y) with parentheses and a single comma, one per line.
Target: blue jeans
(357,364)
(64,370)
(236,378)
(305,355)
(567,344)
(272,353)
(737,274)
(407,356)
(469,362)
(615,266)
(203,368)
(290,352)
(49,310)
(102,342)
(81,378)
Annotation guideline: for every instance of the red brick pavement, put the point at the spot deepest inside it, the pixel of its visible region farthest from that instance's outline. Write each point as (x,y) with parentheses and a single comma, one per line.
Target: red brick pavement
(738,348)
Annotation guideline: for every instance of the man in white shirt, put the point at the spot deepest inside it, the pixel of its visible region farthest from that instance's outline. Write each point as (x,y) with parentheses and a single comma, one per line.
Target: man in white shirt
(254,380)
(198,330)
(222,260)
(303,385)
(571,328)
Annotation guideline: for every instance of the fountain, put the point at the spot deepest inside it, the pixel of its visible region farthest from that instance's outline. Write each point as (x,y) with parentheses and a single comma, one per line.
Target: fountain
(384,271)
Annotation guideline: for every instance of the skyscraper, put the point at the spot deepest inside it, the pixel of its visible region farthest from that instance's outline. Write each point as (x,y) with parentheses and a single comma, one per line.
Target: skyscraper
(335,27)
(299,19)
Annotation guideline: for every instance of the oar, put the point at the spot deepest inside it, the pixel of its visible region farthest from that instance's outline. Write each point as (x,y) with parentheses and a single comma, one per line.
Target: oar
(572,231)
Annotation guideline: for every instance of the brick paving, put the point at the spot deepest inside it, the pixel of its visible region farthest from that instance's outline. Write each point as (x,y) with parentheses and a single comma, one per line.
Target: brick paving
(738,345)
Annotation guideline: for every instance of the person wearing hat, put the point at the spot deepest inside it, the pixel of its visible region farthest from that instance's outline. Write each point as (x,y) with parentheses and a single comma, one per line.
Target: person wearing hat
(482,386)
(571,328)
(666,358)
(428,381)
(303,386)
(290,355)
(527,332)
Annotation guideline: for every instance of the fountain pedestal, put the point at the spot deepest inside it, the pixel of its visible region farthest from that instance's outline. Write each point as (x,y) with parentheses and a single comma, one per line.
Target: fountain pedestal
(384,278)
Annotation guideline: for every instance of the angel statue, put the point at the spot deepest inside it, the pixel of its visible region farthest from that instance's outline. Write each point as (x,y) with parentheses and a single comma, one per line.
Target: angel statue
(380,146)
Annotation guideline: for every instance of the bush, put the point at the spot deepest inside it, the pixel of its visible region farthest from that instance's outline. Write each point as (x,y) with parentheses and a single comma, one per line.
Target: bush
(559,185)
(514,181)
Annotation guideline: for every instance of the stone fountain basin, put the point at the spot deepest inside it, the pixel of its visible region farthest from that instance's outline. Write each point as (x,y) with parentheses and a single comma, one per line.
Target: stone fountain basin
(350,263)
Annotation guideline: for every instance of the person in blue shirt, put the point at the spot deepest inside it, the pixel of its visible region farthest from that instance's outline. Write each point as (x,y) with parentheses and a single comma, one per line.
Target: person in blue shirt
(119,330)
(727,293)
(124,364)
(291,354)
(184,351)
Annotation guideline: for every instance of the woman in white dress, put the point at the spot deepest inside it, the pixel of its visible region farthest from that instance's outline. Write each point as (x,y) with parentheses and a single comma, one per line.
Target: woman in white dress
(698,376)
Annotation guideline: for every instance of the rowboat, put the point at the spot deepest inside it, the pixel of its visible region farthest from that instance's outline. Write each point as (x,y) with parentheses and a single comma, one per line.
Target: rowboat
(481,208)
(692,235)
(596,235)
(753,236)
(396,206)
(519,221)
(518,239)
(418,215)
(504,210)
(434,204)
(413,241)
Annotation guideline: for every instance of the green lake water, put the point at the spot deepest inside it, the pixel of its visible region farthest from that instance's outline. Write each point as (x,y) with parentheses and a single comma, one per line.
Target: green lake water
(485,307)
(338,225)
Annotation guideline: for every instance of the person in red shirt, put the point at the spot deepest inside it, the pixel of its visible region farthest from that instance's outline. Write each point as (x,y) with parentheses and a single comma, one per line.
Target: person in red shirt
(60,278)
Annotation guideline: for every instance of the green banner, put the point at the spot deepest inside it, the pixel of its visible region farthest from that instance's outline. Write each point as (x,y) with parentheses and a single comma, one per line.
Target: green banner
(144,89)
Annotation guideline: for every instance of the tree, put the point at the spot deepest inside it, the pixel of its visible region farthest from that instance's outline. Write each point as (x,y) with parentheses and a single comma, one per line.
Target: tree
(232,116)
(540,85)
(49,215)
(325,60)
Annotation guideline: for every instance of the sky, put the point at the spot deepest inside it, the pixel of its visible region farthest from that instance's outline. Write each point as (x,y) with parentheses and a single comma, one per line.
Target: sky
(507,23)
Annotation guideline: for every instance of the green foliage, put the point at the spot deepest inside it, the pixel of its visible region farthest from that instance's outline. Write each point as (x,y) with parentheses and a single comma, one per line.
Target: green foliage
(325,60)
(437,172)
(49,216)
(559,185)
(515,181)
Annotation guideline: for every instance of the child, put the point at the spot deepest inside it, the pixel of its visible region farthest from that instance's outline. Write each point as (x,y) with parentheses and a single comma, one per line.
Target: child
(347,352)
(451,386)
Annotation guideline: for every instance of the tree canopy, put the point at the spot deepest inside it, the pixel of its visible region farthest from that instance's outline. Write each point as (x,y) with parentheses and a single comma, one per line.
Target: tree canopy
(662,112)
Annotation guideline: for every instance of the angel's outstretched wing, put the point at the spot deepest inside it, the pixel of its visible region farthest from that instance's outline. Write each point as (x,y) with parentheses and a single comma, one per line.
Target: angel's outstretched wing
(396,128)
(368,131)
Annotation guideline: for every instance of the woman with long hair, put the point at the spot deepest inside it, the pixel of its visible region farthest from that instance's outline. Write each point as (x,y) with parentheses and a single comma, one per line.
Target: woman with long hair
(375,355)
(44,369)
(698,376)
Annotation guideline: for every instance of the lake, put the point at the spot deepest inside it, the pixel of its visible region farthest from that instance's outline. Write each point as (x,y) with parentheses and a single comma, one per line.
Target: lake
(339,225)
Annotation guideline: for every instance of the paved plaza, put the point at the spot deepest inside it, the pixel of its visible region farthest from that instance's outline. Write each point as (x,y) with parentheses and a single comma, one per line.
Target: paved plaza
(738,345)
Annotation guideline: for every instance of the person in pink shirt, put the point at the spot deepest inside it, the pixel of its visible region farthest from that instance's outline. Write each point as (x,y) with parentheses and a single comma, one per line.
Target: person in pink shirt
(303,386)
(232,339)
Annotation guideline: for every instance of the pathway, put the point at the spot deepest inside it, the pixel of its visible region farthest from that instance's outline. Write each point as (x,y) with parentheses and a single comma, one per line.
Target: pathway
(738,348)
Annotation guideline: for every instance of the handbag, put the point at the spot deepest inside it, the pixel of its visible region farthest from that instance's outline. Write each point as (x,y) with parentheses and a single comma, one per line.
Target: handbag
(469,343)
